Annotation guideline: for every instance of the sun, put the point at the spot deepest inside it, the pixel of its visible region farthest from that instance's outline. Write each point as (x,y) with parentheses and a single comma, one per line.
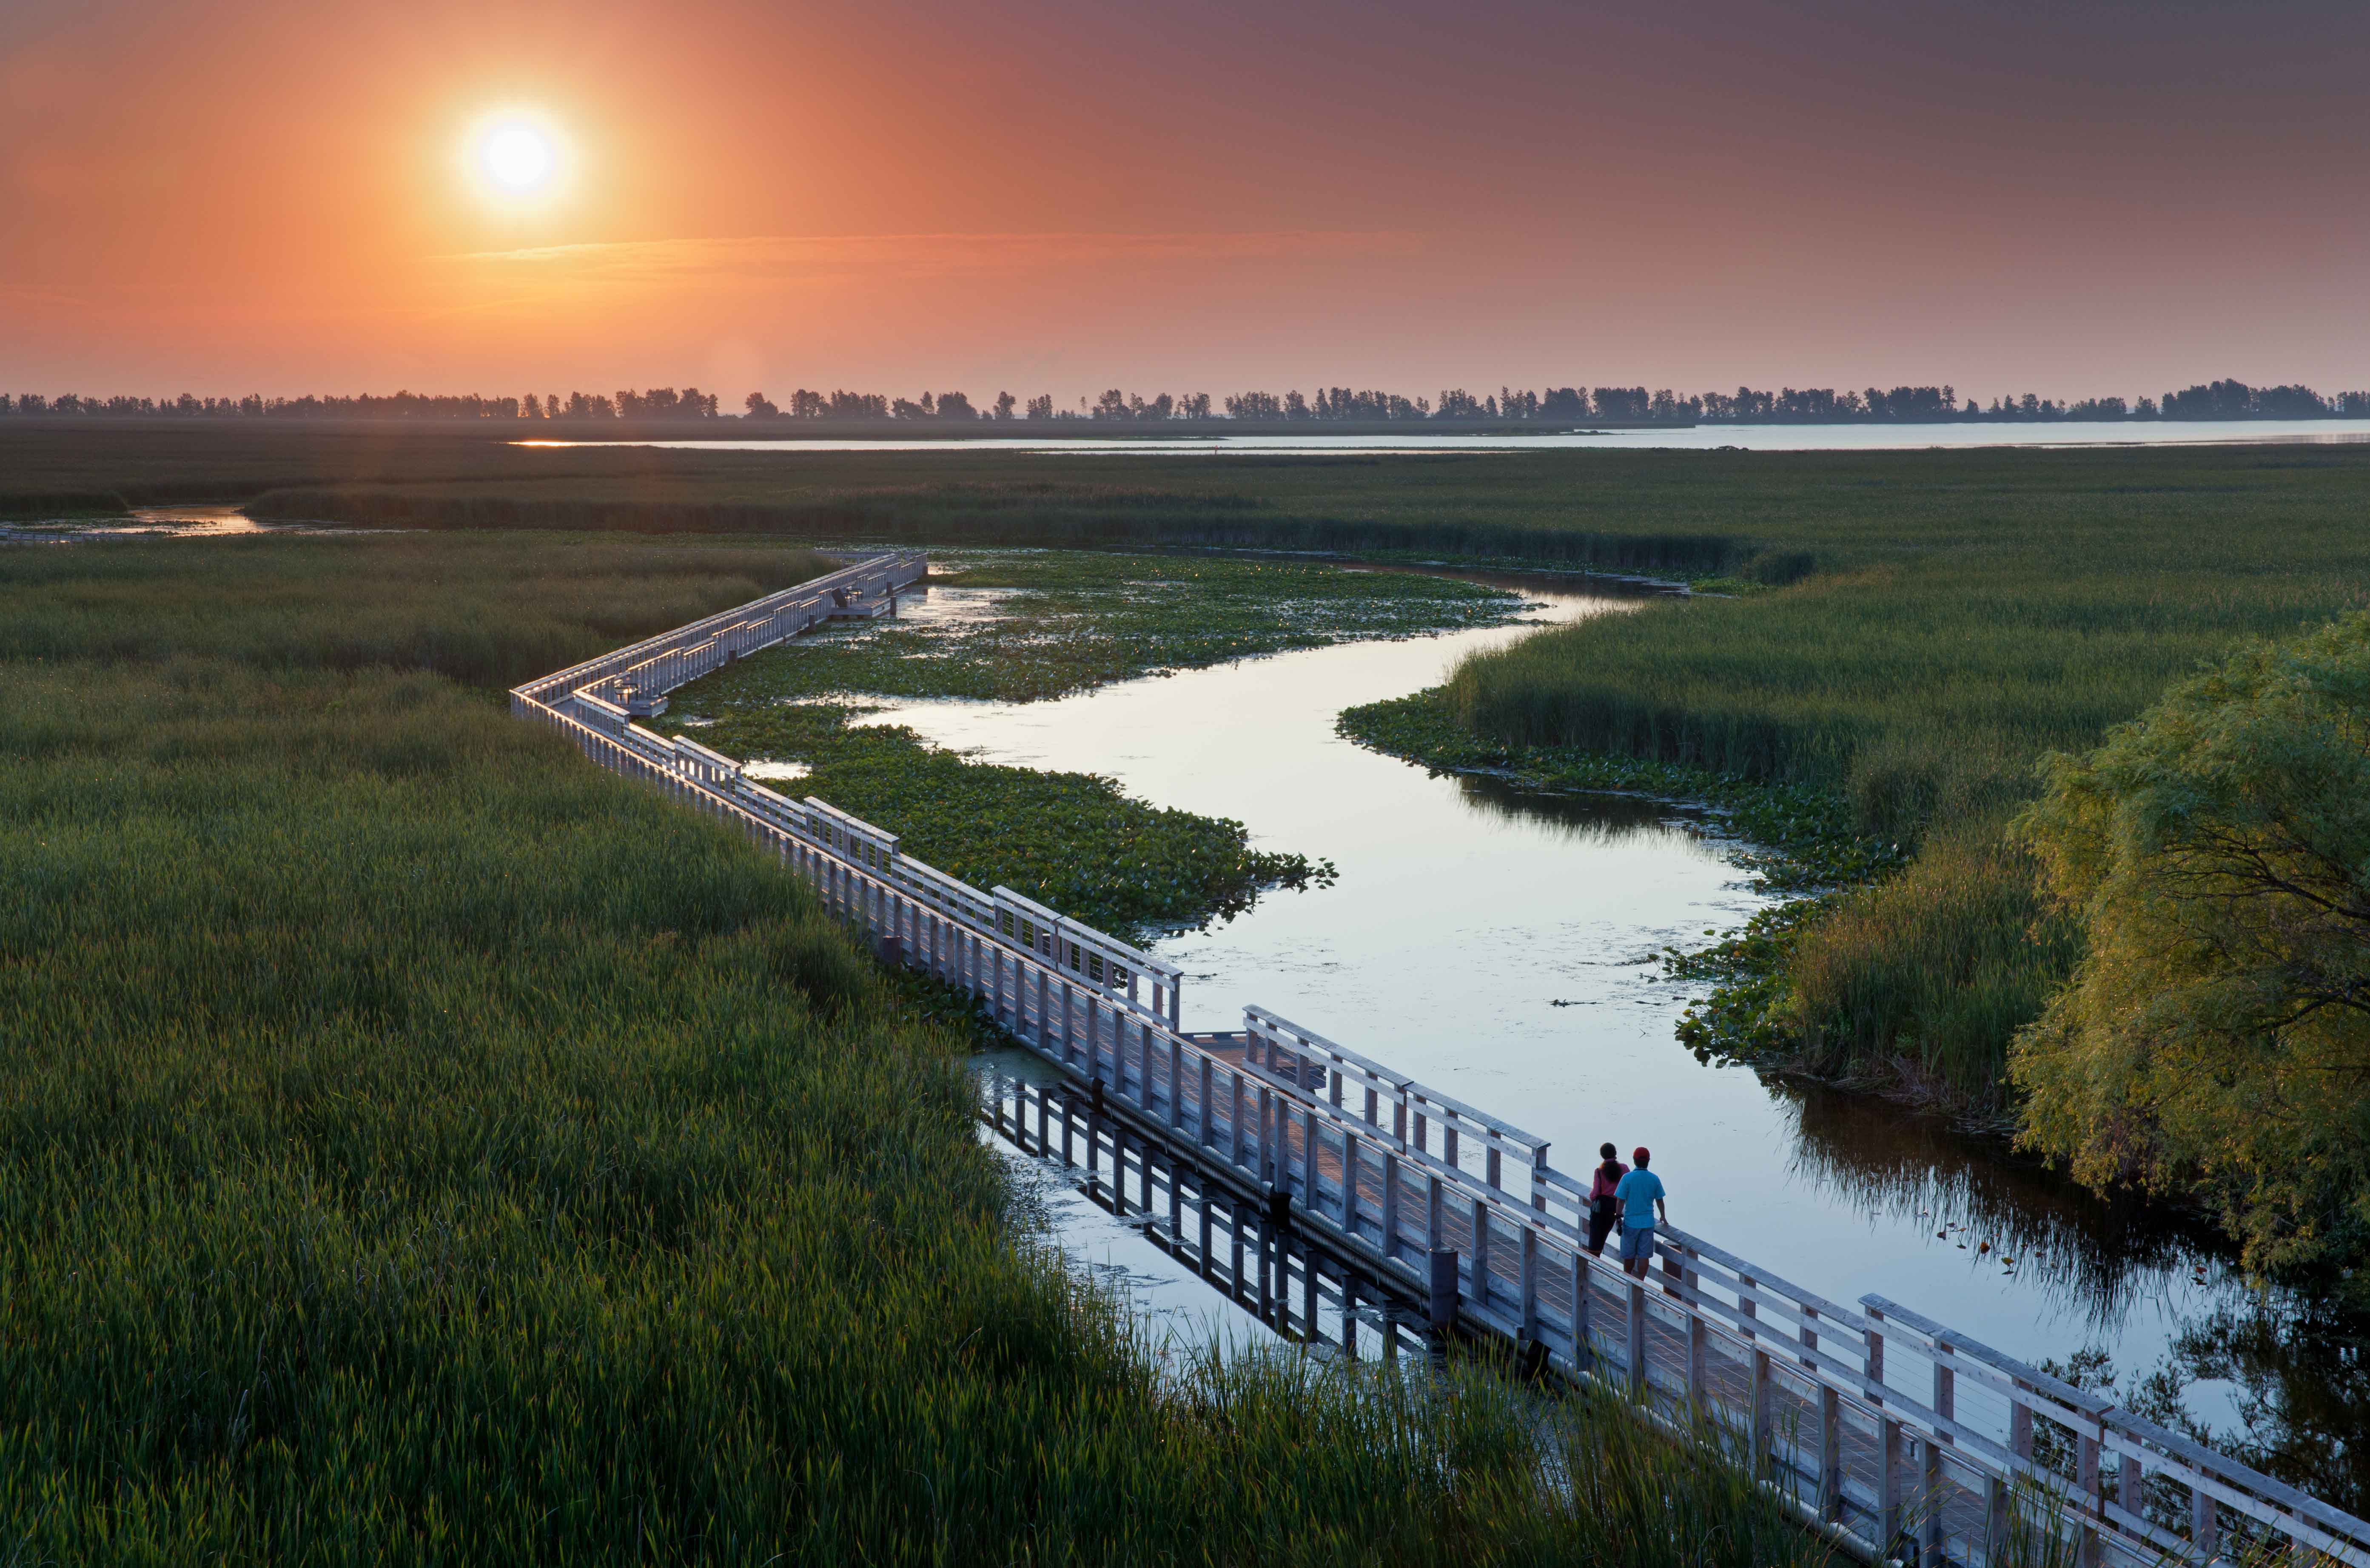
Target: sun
(517,157)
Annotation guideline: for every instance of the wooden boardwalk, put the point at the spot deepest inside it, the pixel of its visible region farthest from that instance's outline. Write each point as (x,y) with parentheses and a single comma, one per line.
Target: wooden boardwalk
(1901,1438)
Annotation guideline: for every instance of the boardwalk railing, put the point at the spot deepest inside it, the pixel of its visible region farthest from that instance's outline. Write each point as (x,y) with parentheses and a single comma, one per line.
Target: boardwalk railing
(1899,1435)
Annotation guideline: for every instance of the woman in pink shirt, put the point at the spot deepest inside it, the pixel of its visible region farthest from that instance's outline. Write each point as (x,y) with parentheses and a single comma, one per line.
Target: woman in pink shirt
(1604,1209)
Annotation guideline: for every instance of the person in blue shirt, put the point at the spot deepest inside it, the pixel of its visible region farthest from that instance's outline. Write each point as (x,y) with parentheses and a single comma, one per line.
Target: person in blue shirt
(1640,1195)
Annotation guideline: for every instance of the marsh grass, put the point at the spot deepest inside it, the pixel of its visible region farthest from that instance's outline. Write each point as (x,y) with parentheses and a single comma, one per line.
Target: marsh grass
(1924,624)
(1917,679)
(483,611)
(1065,621)
(416,1145)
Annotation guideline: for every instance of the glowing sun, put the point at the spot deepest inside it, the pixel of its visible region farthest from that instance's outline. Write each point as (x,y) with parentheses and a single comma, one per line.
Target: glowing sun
(517,158)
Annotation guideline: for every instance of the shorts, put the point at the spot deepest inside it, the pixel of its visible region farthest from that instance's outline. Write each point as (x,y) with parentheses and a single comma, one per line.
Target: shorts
(1637,1243)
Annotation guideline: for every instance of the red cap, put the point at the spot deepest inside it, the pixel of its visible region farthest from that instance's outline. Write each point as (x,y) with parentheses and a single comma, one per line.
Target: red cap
(1640,1155)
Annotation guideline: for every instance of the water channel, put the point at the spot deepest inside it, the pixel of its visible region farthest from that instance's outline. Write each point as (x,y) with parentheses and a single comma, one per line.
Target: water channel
(159,523)
(1497,943)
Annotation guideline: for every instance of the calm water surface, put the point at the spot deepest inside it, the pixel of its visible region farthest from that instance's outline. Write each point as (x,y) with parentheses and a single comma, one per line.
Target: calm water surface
(159,522)
(1497,942)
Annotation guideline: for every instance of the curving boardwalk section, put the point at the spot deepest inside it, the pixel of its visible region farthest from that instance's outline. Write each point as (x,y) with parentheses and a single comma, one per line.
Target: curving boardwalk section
(1899,1435)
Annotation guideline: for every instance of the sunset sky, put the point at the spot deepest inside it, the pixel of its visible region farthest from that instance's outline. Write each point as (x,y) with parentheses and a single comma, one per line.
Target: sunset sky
(2067,198)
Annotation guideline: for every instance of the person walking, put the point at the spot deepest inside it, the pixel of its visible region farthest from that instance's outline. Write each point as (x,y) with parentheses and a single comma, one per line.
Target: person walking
(1640,1194)
(1604,1208)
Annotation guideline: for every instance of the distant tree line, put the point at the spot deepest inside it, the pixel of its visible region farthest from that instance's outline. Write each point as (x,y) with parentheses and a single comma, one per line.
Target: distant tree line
(1556,404)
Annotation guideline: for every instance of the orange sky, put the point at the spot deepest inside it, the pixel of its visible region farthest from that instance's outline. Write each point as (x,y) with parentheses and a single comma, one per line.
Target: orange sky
(2067,198)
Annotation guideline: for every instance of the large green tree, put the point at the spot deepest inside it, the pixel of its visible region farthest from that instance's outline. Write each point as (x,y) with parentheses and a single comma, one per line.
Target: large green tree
(2215,1039)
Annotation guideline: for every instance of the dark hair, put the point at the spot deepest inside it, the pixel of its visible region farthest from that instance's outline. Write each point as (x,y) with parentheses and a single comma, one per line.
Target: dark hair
(1608,1151)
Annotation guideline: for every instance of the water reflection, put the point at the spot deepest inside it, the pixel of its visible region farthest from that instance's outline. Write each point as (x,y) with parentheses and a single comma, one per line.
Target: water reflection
(160,522)
(1581,820)
(2292,1382)
(2092,1258)
(1491,941)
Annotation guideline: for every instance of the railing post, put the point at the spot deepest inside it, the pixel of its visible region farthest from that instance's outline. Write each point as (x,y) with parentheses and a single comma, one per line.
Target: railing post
(1530,1330)
(1758,1433)
(1888,1485)
(1201,1118)
(1639,1384)
(1390,1205)
(2086,1476)
(1698,1345)
(1930,1504)
(1831,1455)
(1888,1456)
(1266,1163)
(1440,1300)
(1176,1077)
(1234,1117)
(1309,1161)
(1481,1253)
(1945,1404)
(1350,1160)
(1584,1349)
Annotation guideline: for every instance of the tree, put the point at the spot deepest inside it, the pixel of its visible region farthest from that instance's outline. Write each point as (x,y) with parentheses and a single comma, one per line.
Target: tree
(760,406)
(1005,404)
(2216,1038)
(1041,407)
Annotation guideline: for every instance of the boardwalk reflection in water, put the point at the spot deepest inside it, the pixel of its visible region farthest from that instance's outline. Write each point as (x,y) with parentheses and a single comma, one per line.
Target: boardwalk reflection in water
(1196,1263)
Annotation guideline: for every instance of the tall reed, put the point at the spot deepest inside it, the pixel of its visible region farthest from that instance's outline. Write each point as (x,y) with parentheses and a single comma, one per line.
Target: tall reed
(418,1146)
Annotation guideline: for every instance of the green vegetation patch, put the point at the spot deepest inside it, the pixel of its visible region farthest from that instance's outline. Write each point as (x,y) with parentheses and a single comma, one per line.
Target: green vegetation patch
(1060,622)
(1076,842)
(1802,838)
(1064,621)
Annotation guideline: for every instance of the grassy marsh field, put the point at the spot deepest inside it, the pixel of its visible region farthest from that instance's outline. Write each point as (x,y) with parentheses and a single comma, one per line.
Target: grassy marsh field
(418,1145)
(1920,628)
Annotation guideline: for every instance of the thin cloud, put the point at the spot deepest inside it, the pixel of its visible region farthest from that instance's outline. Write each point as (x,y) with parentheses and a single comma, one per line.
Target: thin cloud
(778,258)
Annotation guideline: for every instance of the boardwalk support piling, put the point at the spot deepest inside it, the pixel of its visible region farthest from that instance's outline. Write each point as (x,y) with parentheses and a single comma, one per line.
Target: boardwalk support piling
(1441,1308)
